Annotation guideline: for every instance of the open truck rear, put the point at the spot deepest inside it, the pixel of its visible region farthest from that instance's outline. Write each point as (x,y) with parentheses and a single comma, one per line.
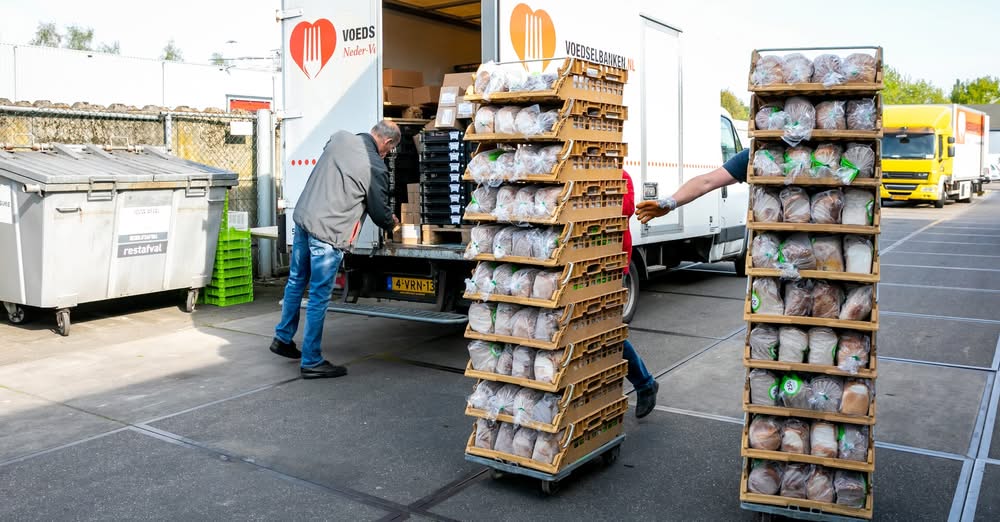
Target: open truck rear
(333,61)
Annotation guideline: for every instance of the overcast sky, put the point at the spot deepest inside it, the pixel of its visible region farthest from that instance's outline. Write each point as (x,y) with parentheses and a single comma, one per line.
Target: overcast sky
(938,41)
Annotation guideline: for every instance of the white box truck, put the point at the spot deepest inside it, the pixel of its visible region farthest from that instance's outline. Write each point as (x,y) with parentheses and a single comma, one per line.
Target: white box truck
(673,127)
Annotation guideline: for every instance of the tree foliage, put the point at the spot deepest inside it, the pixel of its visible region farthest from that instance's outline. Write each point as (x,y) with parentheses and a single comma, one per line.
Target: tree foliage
(110,48)
(736,108)
(79,38)
(217,59)
(900,89)
(171,52)
(75,37)
(984,90)
(46,35)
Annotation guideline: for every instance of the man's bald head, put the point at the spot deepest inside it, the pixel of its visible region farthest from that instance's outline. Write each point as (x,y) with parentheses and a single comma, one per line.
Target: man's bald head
(387,136)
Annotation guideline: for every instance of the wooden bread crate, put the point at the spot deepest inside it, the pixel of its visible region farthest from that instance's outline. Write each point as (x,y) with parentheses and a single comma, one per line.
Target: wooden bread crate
(577,441)
(816,228)
(868,372)
(782,456)
(805,505)
(781,411)
(577,401)
(571,127)
(811,88)
(807,180)
(577,161)
(579,281)
(579,241)
(579,200)
(817,134)
(578,80)
(850,277)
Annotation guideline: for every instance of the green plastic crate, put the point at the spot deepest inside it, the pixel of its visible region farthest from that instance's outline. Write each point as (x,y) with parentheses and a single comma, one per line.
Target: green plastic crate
(238,263)
(231,234)
(229,246)
(228,273)
(239,253)
(230,282)
(211,291)
(227,301)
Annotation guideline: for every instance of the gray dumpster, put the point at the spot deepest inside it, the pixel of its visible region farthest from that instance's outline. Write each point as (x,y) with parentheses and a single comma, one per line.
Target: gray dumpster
(80,224)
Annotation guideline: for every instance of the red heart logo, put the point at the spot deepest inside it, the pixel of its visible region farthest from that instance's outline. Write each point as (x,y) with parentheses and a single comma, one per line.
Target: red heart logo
(312,45)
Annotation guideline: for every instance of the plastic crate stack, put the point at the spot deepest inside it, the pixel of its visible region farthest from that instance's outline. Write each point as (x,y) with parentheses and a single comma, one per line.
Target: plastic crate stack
(813,271)
(443,194)
(232,275)
(546,326)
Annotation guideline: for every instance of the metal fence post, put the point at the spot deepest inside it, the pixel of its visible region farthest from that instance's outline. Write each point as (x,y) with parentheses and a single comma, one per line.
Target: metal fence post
(168,132)
(265,188)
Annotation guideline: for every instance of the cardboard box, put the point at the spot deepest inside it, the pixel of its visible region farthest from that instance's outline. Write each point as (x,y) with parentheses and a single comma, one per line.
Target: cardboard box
(413,188)
(426,94)
(401,78)
(460,80)
(411,234)
(449,96)
(446,118)
(410,213)
(398,95)
(464,109)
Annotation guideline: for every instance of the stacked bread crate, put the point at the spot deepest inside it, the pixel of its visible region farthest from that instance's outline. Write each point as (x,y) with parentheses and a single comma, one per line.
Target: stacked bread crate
(546,327)
(812,302)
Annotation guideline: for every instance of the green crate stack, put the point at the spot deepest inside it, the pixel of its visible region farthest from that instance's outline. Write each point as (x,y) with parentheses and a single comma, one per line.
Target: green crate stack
(232,276)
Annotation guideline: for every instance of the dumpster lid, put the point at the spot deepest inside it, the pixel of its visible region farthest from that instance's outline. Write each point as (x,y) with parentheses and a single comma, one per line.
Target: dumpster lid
(87,164)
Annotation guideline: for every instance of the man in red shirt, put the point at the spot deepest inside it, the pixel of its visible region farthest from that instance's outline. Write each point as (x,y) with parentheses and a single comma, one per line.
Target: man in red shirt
(645,385)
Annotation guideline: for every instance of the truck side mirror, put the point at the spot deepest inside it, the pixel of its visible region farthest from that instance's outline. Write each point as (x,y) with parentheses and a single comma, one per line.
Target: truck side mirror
(951,150)
(951,141)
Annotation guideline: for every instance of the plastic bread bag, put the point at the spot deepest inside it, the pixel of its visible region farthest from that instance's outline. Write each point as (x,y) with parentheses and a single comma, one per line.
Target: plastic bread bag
(771,116)
(548,324)
(795,392)
(798,298)
(506,361)
(484,119)
(793,343)
(547,199)
(483,76)
(505,438)
(768,71)
(795,253)
(517,78)
(793,482)
(545,243)
(502,402)
(827,391)
(859,207)
(547,120)
(481,240)
(536,82)
(766,205)
(764,250)
(546,408)
(858,304)
(828,299)
(482,394)
(484,355)
(481,317)
(765,297)
(503,241)
(764,342)
(862,114)
(524,363)
(822,345)
(524,404)
(524,202)
(505,168)
(829,253)
(497,82)
(504,121)
(764,433)
(547,364)
(858,161)
(503,275)
(797,162)
(526,122)
(482,281)
(550,156)
(826,160)
(819,485)
(763,388)
(859,67)
(831,115)
(503,322)
(503,210)
(795,205)
(827,207)
(546,447)
(797,68)
(853,351)
(522,282)
(769,162)
(523,240)
(858,253)
(486,433)
(528,160)
(823,440)
(801,120)
(483,200)
(545,284)
(826,70)
(857,397)
(524,323)
(484,168)
(852,442)
(852,488)
(795,437)
(524,442)
(765,477)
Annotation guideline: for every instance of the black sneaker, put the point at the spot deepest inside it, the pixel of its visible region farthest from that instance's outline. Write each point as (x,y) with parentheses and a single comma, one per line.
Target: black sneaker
(645,400)
(285,349)
(325,370)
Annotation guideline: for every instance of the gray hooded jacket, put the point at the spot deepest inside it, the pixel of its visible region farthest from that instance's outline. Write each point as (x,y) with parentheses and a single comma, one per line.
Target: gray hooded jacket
(349,180)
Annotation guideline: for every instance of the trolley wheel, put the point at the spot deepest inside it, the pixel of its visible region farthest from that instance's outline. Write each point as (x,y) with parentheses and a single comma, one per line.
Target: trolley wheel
(17,314)
(496,474)
(611,455)
(550,487)
(62,322)
(192,300)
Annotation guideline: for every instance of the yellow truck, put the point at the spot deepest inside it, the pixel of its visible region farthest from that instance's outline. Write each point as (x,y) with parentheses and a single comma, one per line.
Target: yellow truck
(933,153)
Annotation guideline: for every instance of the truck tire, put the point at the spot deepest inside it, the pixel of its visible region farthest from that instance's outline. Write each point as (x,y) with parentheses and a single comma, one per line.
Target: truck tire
(631,283)
(940,201)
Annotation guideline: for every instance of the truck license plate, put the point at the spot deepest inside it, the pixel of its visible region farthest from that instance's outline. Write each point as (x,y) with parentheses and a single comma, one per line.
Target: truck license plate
(411,285)
(899,198)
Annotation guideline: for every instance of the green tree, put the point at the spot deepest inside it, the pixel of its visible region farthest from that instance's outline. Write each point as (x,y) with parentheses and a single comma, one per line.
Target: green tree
(217,59)
(736,108)
(901,89)
(110,48)
(46,35)
(171,52)
(79,38)
(982,90)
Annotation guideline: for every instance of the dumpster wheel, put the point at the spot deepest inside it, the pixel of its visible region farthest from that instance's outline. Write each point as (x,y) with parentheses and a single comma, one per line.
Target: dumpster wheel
(192,300)
(16,313)
(62,321)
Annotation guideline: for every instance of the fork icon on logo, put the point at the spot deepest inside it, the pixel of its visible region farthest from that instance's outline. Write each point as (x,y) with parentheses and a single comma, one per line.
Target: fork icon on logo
(312,55)
(532,37)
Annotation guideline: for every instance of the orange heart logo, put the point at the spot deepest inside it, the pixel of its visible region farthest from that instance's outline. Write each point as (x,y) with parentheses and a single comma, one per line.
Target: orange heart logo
(312,44)
(533,34)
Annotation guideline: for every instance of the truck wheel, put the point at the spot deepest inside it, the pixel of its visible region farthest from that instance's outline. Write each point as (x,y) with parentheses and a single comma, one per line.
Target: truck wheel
(631,283)
(940,202)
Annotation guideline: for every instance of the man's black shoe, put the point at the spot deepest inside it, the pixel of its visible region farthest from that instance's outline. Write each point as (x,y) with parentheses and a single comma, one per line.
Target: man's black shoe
(285,349)
(325,370)
(645,400)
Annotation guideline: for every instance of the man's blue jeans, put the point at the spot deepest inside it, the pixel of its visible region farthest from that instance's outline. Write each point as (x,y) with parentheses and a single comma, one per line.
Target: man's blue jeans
(313,263)
(638,375)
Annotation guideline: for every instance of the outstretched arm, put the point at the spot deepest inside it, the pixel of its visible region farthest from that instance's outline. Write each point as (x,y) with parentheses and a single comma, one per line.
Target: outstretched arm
(732,172)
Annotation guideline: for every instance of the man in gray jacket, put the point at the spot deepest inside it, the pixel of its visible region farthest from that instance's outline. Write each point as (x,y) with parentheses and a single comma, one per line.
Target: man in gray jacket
(349,180)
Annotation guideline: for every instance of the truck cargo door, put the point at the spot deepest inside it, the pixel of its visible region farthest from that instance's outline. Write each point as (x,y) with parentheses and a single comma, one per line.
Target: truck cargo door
(331,80)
